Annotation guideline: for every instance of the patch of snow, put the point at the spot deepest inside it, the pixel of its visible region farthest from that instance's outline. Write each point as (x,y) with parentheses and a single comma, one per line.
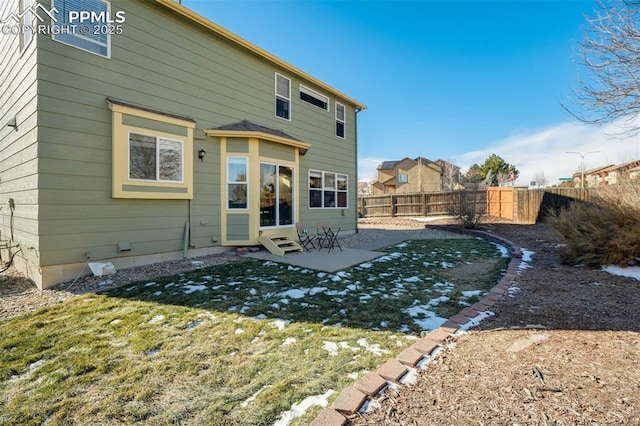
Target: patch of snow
(253,397)
(384,324)
(369,405)
(373,348)
(239,331)
(446,265)
(207,315)
(253,291)
(188,289)
(36,364)
(157,319)
(151,284)
(410,378)
(336,278)
(527,254)
(152,352)
(471,293)
(413,279)
(331,347)
(197,262)
(115,321)
(631,272)
(321,274)
(289,341)
(294,293)
(280,324)
(157,293)
(366,265)
(293,268)
(284,301)
(298,410)
(474,322)
(234,283)
(353,375)
(207,277)
(316,290)
(260,317)
(504,251)
(270,263)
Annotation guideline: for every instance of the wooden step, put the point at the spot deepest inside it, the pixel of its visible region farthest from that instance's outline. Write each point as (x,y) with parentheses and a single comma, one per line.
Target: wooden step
(279,244)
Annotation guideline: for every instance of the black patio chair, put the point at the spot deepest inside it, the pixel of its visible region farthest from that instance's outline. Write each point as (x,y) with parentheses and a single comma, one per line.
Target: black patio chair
(327,237)
(304,238)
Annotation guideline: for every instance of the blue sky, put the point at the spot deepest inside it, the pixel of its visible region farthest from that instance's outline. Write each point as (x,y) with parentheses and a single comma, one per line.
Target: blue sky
(457,80)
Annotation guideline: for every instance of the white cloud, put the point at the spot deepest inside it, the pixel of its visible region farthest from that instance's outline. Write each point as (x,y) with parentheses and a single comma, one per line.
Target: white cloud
(545,151)
(367,168)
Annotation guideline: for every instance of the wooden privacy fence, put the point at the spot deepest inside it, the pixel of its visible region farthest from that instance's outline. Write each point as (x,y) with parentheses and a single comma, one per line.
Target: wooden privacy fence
(524,205)
(415,204)
(521,205)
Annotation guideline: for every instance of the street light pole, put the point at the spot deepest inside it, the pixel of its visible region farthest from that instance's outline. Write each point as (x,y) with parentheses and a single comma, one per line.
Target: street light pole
(582,162)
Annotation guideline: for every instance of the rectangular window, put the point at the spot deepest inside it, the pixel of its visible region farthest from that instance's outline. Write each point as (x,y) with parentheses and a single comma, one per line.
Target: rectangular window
(98,42)
(283,97)
(314,98)
(26,22)
(155,159)
(340,130)
(327,190)
(403,178)
(237,182)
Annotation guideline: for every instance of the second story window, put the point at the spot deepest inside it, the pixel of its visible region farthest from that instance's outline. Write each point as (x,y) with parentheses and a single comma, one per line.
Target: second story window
(403,178)
(314,98)
(340,131)
(97,40)
(26,10)
(283,97)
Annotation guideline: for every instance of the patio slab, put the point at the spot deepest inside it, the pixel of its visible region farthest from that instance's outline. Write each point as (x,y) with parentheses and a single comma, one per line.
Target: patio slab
(323,260)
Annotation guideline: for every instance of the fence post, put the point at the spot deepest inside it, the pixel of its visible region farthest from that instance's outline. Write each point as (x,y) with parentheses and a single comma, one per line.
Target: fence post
(393,205)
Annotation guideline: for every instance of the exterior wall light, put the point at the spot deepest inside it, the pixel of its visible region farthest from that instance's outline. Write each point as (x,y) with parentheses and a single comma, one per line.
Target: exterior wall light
(201,154)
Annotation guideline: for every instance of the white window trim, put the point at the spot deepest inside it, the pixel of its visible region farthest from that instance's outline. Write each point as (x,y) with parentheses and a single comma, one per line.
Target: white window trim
(157,179)
(406,177)
(246,182)
(322,189)
(343,120)
(26,16)
(313,93)
(80,36)
(275,90)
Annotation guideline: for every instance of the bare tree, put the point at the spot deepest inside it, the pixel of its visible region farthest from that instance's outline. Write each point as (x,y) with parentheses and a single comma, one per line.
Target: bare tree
(540,179)
(469,205)
(450,174)
(610,55)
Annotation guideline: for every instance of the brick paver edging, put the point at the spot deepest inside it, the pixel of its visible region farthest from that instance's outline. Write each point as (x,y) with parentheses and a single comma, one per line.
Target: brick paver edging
(393,370)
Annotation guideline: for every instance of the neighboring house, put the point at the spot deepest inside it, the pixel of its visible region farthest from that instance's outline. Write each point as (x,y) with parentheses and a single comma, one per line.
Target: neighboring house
(634,173)
(409,175)
(171,137)
(608,175)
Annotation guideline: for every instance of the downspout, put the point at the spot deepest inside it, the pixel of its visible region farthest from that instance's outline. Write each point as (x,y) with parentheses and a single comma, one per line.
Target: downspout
(356,130)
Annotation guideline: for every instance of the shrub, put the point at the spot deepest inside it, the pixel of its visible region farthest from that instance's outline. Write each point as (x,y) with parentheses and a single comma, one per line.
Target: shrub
(468,207)
(602,232)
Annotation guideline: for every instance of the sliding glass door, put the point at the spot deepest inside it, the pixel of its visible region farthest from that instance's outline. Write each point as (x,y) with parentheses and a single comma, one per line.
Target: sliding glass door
(276,195)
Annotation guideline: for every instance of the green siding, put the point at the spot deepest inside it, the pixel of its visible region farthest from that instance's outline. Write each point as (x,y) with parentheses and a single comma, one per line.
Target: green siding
(159,126)
(277,151)
(237,227)
(240,145)
(166,64)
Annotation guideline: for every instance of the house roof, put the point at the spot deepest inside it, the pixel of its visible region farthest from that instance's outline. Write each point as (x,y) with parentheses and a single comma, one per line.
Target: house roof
(248,129)
(615,167)
(200,20)
(592,171)
(387,165)
(249,126)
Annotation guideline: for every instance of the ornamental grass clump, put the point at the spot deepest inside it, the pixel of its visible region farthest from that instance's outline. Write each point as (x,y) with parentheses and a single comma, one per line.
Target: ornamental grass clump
(605,231)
